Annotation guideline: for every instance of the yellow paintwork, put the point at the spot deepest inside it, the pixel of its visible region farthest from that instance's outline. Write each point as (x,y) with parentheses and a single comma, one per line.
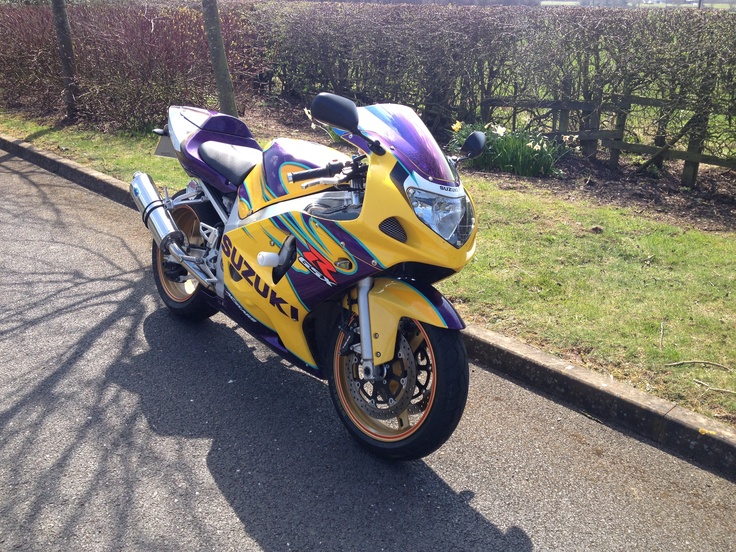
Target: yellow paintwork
(390,301)
(258,294)
(277,306)
(385,200)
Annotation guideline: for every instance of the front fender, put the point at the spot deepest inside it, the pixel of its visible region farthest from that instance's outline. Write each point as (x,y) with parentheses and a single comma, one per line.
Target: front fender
(390,300)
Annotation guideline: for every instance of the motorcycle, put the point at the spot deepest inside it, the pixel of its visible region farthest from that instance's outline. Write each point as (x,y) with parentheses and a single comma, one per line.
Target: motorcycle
(326,258)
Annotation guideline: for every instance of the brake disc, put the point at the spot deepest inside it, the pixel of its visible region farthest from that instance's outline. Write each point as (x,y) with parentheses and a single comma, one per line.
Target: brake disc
(388,397)
(422,390)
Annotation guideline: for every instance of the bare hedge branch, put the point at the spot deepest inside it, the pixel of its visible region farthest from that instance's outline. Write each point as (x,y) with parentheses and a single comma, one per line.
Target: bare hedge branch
(448,62)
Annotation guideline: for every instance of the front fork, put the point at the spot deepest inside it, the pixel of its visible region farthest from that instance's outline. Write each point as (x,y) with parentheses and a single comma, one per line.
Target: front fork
(366,337)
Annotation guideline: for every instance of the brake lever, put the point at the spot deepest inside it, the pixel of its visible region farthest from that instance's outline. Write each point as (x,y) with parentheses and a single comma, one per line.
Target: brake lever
(332,181)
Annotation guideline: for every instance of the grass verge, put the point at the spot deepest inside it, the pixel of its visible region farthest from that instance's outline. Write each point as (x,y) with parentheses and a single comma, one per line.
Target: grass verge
(608,289)
(604,287)
(117,155)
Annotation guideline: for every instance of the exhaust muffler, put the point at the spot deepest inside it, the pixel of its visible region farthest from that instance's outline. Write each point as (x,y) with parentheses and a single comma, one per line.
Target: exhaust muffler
(155,215)
(167,235)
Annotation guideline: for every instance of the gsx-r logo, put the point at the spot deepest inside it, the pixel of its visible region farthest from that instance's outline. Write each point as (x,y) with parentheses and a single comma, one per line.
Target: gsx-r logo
(317,264)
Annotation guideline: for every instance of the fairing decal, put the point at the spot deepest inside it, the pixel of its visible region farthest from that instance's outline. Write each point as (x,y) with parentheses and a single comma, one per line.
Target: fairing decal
(314,277)
(265,335)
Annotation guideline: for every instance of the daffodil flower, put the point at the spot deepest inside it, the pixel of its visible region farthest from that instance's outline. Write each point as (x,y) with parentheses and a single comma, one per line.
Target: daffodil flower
(457,126)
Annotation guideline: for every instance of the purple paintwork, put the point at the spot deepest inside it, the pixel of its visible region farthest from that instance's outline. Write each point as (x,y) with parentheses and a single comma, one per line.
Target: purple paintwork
(399,128)
(225,124)
(296,152)
(218,128)
(443,307)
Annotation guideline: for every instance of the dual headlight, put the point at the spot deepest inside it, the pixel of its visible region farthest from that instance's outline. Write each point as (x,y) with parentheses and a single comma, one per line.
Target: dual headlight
(449,214)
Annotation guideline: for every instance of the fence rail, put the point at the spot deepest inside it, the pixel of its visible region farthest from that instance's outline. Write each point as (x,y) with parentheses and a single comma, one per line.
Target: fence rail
(670,154)
(592,137)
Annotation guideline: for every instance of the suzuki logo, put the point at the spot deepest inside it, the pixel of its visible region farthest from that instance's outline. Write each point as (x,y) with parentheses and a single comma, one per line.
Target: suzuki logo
(241,267)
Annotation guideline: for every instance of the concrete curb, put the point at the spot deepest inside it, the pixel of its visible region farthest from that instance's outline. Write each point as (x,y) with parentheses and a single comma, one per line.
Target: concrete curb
(706,442)
(696,438)
(88,178)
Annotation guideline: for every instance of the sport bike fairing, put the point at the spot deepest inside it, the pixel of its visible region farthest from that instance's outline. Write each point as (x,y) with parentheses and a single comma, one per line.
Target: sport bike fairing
(334,243)
(329,260)
(428,178)
(400,129)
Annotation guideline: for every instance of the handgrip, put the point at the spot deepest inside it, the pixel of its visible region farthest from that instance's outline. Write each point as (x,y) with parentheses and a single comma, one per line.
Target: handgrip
(331,169)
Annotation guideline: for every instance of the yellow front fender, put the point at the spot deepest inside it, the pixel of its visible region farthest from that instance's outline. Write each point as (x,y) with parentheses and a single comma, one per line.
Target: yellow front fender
(391,300)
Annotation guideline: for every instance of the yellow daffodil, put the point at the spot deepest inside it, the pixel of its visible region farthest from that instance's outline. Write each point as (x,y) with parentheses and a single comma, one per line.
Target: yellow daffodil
(457,126)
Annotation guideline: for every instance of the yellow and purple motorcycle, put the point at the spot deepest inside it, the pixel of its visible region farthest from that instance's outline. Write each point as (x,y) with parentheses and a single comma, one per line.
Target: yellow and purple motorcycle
(330,260)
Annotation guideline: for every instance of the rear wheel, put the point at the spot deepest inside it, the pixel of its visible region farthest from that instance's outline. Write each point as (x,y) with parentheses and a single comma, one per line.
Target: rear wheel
(182,294)
(417,403)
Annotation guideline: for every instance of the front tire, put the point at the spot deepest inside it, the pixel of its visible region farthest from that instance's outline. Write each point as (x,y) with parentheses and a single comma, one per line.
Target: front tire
(184,297)
(417,405)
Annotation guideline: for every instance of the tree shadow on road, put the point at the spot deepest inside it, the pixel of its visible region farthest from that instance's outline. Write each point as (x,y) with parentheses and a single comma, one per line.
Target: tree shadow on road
(117,418)
(281,458)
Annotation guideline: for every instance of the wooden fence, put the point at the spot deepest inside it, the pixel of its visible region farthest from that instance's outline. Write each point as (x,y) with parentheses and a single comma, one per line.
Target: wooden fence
(592,137)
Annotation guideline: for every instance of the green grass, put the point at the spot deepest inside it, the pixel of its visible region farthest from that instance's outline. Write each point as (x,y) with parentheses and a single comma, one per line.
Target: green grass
(118,155)
(606,288)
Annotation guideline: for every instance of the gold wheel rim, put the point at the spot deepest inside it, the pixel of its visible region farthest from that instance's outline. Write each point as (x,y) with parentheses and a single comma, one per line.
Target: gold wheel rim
(188,222)
(410,419)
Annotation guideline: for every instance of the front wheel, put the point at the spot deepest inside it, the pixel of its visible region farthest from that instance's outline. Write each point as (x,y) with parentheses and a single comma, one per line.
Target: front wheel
(417,403)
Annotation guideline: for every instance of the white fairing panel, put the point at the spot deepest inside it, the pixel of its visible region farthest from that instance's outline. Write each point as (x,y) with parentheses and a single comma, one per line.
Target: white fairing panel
(183,121)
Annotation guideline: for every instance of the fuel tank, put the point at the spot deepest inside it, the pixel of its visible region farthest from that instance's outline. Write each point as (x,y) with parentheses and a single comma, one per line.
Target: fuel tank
(268,183)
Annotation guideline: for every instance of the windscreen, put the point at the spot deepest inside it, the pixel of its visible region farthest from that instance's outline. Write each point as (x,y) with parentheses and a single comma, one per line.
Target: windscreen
(400,128)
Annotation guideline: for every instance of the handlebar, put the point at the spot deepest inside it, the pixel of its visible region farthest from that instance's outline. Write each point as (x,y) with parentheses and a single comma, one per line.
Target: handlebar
(331,169)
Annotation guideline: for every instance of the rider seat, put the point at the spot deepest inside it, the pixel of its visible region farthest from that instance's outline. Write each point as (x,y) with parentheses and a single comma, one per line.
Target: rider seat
(232,162)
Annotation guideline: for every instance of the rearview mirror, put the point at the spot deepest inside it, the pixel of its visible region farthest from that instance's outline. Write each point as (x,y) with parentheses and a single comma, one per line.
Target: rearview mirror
(474,144)
(342,113)
(335,111)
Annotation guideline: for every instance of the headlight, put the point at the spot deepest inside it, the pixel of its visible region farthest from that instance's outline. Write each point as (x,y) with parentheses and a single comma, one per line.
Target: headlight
(451,217)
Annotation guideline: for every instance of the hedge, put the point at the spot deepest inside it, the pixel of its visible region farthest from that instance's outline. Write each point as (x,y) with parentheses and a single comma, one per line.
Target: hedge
(446,61)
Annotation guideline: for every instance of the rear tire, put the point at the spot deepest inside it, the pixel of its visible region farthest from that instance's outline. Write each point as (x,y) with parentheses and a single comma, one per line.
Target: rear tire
(186,299)
(416,407)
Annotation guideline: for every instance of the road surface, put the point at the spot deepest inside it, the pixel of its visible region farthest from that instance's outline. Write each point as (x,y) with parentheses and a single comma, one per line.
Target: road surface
(123,428)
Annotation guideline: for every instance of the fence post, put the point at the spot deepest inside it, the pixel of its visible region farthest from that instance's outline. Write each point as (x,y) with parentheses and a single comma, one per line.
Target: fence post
(591,121)
(698,133)
(564,124)
(661,138)
(623,106)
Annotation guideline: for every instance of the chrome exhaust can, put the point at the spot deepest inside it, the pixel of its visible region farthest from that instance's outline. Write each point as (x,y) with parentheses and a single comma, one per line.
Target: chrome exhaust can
(155,215)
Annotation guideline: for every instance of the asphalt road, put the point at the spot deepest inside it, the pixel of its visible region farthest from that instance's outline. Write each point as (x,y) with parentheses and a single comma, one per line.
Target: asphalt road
(123,428)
